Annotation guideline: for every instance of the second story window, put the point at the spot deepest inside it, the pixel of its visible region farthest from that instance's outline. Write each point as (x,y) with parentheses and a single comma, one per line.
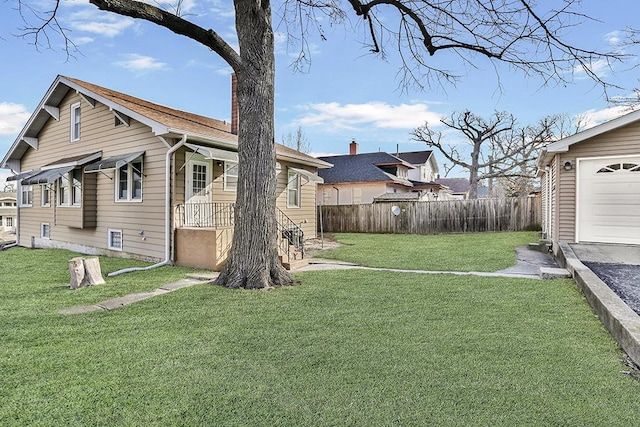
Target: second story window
(75,122)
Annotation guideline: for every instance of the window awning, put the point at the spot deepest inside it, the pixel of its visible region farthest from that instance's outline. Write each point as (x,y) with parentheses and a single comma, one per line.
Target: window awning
(114,162)
(79,160)
(48,176)
(309,176)
(21,176)
(214,153)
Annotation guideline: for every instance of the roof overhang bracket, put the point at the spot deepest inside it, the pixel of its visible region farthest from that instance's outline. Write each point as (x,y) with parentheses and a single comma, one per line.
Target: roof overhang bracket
(53,111)
(87,98)
(124,119)
(33,142)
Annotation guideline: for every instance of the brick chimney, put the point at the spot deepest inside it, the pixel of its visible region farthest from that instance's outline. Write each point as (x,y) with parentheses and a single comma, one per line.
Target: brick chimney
(234,105)
(353,147)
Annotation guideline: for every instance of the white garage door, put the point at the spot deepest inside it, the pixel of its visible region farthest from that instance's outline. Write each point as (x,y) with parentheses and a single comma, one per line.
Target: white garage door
(609,200)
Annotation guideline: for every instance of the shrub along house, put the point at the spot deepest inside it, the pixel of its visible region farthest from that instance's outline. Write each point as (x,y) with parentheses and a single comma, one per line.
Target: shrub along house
(102,172)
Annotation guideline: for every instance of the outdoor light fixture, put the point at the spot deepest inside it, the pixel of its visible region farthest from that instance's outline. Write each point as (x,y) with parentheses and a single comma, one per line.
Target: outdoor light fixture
(568,165)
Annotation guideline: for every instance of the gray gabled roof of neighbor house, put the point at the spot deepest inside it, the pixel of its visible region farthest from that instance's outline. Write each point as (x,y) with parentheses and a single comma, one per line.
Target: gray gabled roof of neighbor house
(363,167)
(415,157)
(163,121)
(456,185)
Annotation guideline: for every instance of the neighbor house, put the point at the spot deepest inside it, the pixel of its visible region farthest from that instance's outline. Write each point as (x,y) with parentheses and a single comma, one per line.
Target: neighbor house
(367,177)
(590,184)
(458,188)
(8,213)
(102,172)
(425,165)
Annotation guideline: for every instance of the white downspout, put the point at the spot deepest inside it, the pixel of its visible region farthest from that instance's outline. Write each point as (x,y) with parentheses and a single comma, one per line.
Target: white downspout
(167,212)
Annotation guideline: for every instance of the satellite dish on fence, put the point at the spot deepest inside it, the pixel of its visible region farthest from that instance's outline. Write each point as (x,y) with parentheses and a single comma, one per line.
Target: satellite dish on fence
(395,210)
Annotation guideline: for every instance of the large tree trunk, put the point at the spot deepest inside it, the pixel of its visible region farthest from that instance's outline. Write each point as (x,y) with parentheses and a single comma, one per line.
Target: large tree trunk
(253,260)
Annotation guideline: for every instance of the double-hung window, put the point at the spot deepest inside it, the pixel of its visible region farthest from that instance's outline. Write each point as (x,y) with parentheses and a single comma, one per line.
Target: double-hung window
(69,188)
(293,190)
(45,194)
(75,122)
(26,195)
(230,176)
(129,182)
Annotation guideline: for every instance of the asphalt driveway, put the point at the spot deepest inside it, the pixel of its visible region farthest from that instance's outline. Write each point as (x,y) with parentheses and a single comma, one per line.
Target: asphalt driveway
(616,265)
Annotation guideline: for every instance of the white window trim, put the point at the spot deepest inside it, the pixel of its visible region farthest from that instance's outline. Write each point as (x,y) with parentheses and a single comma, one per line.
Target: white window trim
(45,202)
(129,167)
(109,233)
(23,188)
(73,137)
(225,187)
(42,234)
(70,191)
(298,179)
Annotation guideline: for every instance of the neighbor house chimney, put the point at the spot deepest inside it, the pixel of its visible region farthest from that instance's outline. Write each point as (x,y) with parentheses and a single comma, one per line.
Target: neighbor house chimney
(353,147)
(234,105)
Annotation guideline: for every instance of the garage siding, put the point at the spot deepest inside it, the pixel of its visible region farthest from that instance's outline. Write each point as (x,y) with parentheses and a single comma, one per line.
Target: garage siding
(619,142)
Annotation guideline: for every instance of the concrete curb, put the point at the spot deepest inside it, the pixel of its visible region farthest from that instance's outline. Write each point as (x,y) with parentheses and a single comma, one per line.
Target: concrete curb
(621,321)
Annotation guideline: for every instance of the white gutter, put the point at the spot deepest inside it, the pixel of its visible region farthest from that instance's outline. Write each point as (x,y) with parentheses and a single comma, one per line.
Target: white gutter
(167,212)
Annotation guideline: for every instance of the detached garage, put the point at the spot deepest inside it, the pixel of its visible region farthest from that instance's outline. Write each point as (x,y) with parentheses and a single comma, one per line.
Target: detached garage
(591,184)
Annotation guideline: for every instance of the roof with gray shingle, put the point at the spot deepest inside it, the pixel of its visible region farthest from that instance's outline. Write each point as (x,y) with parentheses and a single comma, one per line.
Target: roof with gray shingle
(457,185)
(362,168)
(415,157)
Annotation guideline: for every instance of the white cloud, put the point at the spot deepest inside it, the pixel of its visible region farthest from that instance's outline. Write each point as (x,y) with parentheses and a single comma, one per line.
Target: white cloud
(593,118)
(613,38)
(97,22)
(136,62)
(600,68)
(377,114)
(12,118)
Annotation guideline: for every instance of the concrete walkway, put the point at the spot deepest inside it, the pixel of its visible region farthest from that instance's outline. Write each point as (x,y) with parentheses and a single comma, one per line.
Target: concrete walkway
(114,303)
(530,264)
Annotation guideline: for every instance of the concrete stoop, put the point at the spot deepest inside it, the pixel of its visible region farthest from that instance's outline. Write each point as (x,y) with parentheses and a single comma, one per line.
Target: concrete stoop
(621,321)
(554,273)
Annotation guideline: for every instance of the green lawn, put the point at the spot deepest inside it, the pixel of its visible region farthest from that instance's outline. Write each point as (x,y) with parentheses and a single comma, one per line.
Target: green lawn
(444,252)
(348,347)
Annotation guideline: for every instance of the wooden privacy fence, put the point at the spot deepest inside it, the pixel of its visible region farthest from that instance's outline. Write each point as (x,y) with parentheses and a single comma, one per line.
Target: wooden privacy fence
(450,216)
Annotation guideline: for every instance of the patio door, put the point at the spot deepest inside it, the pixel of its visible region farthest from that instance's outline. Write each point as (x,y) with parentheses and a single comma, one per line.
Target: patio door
(197,192)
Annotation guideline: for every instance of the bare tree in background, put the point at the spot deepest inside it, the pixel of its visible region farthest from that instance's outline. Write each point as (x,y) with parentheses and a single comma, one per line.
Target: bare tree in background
(297,141)
(522,34)
(494,148)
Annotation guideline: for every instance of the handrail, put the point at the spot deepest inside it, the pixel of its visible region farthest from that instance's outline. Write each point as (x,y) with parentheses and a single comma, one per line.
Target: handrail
(220,215)
(289,234)
(205,214)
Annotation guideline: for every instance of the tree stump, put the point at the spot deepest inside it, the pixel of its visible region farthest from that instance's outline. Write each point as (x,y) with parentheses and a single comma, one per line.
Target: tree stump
(85,272)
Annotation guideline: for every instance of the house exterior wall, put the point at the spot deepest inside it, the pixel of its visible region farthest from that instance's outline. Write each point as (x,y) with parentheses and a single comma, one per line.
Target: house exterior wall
(305,215)
(100,211)
(424,173)
(351,193)
(622,141)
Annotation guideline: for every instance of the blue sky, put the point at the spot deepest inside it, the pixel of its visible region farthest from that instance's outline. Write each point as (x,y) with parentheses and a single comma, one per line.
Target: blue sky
(345,94)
